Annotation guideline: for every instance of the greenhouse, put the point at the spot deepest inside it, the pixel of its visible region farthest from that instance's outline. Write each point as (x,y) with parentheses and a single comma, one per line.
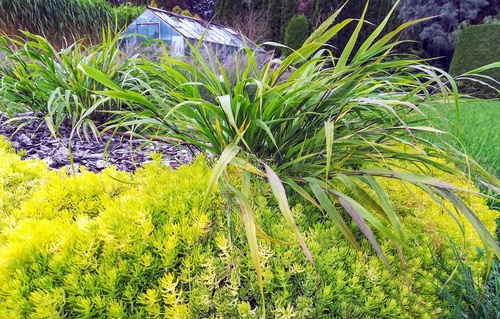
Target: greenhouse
(175,30)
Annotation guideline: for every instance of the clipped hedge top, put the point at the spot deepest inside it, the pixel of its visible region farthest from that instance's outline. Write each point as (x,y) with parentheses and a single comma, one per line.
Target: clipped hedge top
(120,245)
(478,45)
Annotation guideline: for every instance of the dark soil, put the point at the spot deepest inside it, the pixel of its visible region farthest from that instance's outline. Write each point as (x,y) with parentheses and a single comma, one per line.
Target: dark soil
(126,154)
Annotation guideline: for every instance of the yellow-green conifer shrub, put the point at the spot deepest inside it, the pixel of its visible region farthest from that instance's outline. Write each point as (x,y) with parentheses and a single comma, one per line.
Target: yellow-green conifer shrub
(89,246)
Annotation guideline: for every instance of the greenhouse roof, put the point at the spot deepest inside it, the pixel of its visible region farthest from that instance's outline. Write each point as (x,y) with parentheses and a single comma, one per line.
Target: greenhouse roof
(192,28)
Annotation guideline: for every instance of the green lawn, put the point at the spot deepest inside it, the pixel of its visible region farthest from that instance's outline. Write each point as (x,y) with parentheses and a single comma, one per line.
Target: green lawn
(476,131)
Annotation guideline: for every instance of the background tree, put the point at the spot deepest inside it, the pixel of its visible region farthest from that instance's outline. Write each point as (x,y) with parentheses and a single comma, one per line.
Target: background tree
(220,9)
(476,47)
(294,34)
(279,12)
(253,25)
(249,17)
(305,7)
(204,8)
(377,11)
(226,11)
(162,4)
(322,9)
(116,2)
(436,33)
(259,5)
(185,12)
(274,20)
(289,8)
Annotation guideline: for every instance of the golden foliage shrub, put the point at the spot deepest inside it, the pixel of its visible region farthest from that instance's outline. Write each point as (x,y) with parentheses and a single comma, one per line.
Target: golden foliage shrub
(120,245)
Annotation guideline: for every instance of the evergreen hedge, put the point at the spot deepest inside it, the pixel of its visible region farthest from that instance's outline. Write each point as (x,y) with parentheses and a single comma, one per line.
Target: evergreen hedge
(120,245)
(477,46)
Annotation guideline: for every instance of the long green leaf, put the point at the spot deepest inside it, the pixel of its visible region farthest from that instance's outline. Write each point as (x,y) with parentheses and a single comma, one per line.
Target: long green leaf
(334,215)
(483,68)
(302,192)
(280,195)
(413,178)
(266,128)
(387,204)
(488,240)
(99,76)
(361,193)
(368,42)
(346,53)
(129,96)
(358,213)
(220,167)
(324,26)
(248,217)
(329,134)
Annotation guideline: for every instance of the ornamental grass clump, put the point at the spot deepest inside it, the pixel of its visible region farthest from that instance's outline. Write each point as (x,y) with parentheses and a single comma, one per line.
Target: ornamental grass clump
(36,77)
(317,124)
(122,245)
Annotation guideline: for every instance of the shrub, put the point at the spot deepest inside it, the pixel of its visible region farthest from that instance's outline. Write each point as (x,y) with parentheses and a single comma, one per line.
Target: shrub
(296,31)
(477,47)
(17,178)
(121,245)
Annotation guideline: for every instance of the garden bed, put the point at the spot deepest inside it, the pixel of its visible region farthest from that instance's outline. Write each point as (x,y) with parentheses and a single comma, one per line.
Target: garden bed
(121,245)
(35,140)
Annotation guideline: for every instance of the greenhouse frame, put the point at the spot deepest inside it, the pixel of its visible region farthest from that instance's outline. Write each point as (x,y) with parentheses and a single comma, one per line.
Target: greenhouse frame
(175,30)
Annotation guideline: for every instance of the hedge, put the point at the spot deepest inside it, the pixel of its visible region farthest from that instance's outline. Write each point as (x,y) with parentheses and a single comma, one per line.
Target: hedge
(477,46)
(121,245)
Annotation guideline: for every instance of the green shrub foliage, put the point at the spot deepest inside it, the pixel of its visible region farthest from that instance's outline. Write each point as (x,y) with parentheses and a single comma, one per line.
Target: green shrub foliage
(17,178)
(120,245)
(295,33)
(477,46)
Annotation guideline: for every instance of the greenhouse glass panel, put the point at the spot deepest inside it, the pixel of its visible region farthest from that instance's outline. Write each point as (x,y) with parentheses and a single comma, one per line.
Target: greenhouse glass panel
(221,36)
(131,28)
(230,31)
(165,32)
(173,22)
(153,31)
(147,17)
(150,30)
(142,29)
(188,30)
